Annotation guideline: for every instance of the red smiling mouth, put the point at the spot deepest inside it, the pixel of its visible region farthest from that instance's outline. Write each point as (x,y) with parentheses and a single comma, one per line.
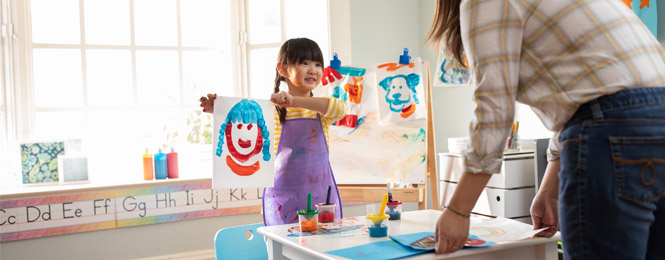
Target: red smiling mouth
(244,143)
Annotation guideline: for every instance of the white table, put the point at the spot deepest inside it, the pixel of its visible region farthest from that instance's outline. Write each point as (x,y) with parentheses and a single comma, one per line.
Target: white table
(282,246)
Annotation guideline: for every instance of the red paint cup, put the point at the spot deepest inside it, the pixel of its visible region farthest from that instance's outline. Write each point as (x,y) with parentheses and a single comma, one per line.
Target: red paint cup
(326,212)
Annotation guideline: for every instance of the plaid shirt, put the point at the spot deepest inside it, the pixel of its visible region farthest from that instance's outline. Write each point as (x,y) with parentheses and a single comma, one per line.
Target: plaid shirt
(552,55)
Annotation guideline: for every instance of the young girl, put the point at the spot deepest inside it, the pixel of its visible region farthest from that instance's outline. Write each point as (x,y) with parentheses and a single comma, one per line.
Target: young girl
(301,134)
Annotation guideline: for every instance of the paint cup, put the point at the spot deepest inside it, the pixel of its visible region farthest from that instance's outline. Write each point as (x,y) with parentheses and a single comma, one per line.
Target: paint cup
(308,220)
(326,212)
(394,210)
(377,228)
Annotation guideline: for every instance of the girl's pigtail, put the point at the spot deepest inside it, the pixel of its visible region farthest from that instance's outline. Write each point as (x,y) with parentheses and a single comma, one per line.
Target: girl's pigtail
(281,111)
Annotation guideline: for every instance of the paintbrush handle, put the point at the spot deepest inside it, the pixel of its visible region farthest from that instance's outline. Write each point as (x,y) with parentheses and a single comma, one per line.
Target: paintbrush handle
(383,205)
(328,197)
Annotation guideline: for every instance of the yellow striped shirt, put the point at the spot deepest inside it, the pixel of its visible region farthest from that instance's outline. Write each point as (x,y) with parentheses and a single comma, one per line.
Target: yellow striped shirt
(336,110)
(552,55)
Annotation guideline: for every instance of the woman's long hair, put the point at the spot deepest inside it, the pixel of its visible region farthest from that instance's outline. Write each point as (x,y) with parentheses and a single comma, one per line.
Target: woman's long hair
(293,52)
(446,27)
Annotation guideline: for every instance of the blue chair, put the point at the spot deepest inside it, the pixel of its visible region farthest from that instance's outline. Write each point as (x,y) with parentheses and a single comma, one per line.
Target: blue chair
(231,243)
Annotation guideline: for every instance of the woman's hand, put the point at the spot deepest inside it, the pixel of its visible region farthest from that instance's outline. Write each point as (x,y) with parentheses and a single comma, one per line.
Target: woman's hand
(545,206)
(282,99)
(452,231)
(544,213)
(208,103)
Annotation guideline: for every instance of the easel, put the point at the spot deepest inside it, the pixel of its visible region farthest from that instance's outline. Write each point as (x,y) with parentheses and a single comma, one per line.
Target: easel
(374,192)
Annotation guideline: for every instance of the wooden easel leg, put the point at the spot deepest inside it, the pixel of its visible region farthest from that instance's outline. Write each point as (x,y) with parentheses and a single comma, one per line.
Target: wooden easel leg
(422,203)
(431,151)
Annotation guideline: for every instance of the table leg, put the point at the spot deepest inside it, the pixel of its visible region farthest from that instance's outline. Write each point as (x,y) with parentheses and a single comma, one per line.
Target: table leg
(547,251)
(274,250)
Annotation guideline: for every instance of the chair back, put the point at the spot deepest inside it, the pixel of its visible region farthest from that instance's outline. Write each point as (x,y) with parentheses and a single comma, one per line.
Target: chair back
(231,243)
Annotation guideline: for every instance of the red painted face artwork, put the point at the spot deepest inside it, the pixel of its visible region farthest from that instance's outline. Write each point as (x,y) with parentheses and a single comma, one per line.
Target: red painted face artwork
(244,142)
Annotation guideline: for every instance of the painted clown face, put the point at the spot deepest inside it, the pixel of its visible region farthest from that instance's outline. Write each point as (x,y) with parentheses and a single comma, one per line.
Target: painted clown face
(244,142)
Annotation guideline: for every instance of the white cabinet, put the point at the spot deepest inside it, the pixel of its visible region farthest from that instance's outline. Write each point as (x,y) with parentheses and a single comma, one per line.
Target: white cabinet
(508,194)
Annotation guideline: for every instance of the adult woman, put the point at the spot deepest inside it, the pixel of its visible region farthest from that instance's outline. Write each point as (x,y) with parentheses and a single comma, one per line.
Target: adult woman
(592,72)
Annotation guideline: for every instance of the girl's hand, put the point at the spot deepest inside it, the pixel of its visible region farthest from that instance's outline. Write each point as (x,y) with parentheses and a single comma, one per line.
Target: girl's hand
(451,233)
(208,103)
(282,99)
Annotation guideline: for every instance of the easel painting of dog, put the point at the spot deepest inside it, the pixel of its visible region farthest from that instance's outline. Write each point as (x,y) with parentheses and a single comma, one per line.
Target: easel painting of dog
(401,92)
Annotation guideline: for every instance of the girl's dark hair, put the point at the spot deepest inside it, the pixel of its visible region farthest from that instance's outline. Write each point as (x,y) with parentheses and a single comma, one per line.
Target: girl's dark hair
(292,52)
(446,26)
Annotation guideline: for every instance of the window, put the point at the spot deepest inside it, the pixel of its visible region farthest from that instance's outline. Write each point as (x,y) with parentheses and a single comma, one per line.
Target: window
(302,18)
(125,75)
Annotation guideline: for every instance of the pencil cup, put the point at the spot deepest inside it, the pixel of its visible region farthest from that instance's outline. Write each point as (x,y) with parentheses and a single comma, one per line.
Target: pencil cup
(308,221)
(326,212)
(377,228)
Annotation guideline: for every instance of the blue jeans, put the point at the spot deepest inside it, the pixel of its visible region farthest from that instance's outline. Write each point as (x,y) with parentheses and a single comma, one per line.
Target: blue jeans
(612,178)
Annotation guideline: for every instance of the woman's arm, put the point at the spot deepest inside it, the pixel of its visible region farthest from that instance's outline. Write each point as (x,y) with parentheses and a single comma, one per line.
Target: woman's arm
(544,208)
(452,228)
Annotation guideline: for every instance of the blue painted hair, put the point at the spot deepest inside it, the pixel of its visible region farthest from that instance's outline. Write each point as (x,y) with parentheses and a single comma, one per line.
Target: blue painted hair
(247,112)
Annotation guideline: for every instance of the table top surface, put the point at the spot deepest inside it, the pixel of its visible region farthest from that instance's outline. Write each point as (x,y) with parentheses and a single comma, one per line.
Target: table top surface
(350,232)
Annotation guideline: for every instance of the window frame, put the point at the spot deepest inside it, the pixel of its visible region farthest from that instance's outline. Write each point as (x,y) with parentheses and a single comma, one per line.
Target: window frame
(19,109)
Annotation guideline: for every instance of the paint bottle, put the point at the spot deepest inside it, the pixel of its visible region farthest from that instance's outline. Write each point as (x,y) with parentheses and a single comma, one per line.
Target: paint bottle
(160,165)
(147,166)
(172,164)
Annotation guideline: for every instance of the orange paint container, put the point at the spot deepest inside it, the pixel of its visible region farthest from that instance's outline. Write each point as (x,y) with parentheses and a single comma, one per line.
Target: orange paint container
(308,220)
(148,171)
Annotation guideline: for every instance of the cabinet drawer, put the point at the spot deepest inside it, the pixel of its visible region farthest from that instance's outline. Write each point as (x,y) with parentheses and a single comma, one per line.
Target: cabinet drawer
(496,202)
(516,171)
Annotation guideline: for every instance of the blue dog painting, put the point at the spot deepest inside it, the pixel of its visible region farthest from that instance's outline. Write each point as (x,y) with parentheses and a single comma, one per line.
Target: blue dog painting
(400,92)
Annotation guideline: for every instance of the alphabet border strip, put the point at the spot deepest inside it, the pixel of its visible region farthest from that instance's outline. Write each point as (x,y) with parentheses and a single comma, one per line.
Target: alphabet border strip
(98,210)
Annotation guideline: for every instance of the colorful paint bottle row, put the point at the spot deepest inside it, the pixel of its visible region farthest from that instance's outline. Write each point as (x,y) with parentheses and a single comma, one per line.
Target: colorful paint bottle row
(165,165)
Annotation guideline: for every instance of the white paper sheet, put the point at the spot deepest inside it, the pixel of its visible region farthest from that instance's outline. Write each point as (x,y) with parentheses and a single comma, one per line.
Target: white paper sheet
(501,229)
(243,157)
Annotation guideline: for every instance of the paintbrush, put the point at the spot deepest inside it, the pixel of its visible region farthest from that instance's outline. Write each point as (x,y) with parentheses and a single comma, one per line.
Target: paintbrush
(328,197)
(390,194)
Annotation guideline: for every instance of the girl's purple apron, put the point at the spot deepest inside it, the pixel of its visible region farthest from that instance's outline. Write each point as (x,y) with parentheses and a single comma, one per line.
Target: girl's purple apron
(301,166)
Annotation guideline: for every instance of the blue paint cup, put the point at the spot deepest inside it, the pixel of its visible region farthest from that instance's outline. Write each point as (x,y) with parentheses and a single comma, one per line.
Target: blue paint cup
(379,229)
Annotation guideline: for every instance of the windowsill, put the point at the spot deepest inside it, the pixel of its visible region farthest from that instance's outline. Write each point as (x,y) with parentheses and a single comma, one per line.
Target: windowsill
(35,191)
(194,167)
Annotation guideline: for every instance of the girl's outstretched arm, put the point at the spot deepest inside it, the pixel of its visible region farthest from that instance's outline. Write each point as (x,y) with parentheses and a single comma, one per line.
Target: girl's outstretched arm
(284,99)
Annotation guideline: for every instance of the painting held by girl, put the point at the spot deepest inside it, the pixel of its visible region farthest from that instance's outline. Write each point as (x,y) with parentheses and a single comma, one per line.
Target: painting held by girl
(246,136)
(302,121)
